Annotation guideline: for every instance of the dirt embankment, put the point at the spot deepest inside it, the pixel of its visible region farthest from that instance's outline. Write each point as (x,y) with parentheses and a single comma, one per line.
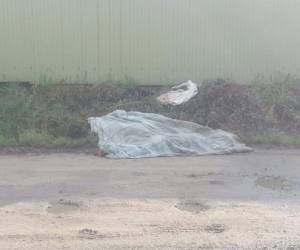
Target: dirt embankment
(264,114)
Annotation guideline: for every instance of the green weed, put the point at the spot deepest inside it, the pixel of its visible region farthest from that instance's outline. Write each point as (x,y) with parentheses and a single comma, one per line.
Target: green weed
(274,139)
(55,115)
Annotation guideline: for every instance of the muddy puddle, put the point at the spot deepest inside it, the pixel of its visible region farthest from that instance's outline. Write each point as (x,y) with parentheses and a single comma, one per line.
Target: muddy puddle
(275,183)
(64,206)
(89,234)
(192,206)
(215,228)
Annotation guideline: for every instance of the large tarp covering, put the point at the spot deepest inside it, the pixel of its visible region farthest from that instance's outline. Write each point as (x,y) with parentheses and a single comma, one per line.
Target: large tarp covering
(139,135)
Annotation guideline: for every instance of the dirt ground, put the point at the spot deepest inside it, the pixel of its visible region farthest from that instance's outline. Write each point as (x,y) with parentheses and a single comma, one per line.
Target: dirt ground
(79,201)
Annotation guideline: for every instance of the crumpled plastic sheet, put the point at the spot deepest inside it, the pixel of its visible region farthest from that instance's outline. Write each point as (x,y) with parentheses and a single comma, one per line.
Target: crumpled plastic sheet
(179,94)
(141,135)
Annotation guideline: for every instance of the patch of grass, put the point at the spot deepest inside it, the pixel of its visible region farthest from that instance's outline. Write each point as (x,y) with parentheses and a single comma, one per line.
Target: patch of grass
(277,93)
(15,111)
(5,141)
(278,139)
(127,82)
(34,139)
(280,102)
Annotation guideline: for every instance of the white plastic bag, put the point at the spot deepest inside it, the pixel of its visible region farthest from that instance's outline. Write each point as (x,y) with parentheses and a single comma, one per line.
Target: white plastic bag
(179,94)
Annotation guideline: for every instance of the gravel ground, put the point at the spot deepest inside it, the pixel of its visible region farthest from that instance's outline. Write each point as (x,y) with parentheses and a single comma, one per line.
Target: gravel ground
(79,201)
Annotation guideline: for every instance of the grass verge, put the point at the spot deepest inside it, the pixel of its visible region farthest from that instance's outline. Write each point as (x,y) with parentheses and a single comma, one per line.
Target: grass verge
(33,139)
(273,140)
(55,115)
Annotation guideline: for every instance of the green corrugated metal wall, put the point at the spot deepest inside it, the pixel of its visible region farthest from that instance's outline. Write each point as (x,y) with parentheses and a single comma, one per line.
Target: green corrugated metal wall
(151,41)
